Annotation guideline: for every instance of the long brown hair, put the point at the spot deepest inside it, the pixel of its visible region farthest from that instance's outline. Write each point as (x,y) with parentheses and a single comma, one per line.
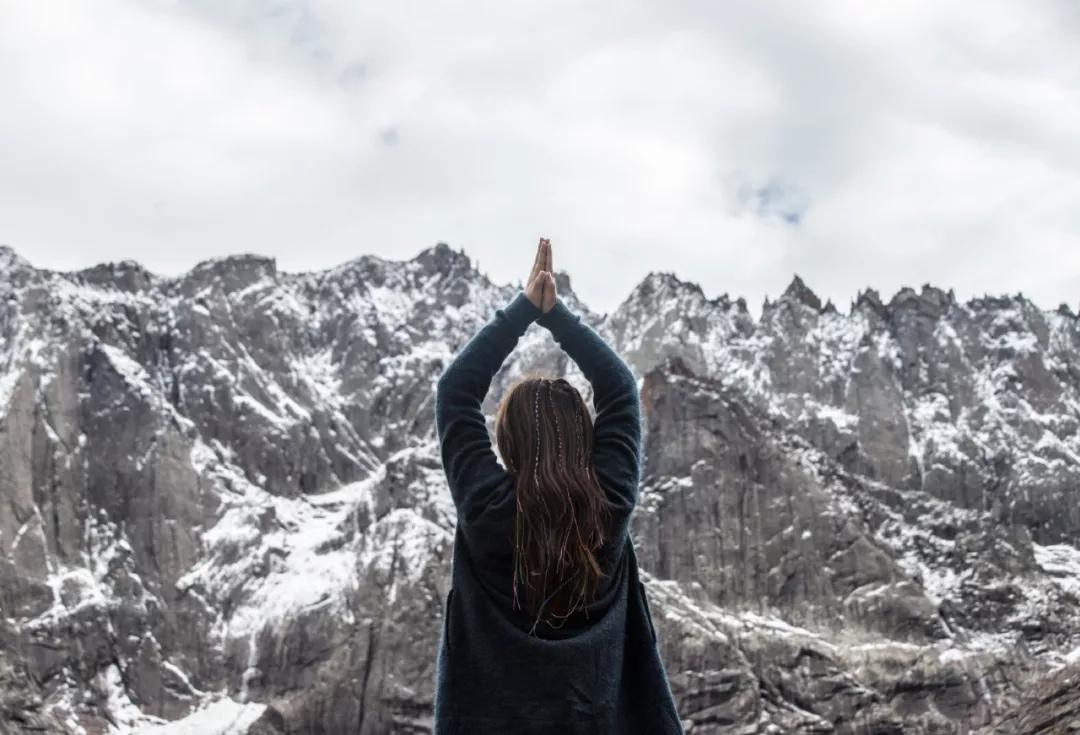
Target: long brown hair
(545,437)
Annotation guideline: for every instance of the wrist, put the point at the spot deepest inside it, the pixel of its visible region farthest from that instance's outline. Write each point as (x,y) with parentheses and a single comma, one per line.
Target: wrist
(521,311)
(559,313)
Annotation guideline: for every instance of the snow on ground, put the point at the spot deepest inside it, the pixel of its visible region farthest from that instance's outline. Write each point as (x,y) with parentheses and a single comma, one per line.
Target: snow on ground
(24,350)
(77,588)
(836,338)
(223,717)
(1062,562)
(400,546)
(841,419)
(284,554)
(278,556)
(935,436)
(123,713)
(674,605)
(130,370)
(8,381)
(317,369)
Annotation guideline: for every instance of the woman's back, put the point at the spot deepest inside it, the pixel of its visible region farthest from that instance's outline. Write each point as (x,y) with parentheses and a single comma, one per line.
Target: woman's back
(500,668)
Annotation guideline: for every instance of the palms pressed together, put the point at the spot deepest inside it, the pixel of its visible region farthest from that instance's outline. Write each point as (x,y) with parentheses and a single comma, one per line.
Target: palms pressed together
(540,287)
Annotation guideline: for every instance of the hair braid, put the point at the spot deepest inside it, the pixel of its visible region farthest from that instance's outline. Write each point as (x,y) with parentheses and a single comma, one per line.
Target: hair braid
(520,565)
(536,464)
(558,428)
(536,434)
(579,429)
(569,506)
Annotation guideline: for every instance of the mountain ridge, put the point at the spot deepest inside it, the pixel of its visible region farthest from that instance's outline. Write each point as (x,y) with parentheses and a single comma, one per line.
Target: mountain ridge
(442,252)
(223,490)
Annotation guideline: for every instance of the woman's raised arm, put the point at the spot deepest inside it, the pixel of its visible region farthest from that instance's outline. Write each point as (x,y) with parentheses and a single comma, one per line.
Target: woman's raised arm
(617,427)
(472,470)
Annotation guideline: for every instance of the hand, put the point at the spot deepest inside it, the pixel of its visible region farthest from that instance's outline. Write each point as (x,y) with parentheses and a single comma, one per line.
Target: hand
(540,288)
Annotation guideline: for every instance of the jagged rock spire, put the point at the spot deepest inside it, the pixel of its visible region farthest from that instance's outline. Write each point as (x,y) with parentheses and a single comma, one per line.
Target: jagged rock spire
(799,292)
(441,258)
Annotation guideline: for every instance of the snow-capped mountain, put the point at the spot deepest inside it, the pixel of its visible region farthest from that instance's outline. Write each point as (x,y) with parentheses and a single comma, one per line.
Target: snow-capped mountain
(222,508)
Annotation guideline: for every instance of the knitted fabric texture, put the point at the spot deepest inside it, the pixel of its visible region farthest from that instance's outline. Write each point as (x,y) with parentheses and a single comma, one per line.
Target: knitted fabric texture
(498,669)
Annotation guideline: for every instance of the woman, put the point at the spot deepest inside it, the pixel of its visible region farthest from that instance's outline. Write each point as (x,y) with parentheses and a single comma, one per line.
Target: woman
(547,627)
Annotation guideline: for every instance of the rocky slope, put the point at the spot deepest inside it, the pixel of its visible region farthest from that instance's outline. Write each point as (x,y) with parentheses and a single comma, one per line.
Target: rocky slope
(1050,706)
(221,500)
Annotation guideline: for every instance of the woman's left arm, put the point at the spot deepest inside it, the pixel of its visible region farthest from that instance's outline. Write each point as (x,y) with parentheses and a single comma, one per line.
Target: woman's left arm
(472,471)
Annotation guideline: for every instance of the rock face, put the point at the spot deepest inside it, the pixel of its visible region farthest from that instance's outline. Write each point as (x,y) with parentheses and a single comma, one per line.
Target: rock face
(1049,707)
(221,493)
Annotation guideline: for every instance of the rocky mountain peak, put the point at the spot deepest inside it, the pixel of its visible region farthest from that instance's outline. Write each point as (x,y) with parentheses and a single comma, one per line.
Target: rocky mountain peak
(14,270)
(126,275)
(564,287)
(232,272)
(663,285)
(998,302)
(930,301)
(798,292)
(9,259)
(443,259)
(869,300)
(659,287)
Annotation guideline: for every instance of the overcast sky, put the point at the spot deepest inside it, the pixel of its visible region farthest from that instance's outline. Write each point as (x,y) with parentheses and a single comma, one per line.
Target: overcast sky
(734,144)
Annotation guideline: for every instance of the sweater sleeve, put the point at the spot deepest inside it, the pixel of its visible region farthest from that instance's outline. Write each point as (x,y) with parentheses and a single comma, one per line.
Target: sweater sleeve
(617,426)
(473,473)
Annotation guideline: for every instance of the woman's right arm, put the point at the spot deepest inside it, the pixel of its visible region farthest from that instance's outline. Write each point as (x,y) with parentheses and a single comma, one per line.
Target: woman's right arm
(617,427)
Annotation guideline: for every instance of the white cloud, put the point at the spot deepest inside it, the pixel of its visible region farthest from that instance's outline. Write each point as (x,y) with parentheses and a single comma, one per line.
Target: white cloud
(734,144)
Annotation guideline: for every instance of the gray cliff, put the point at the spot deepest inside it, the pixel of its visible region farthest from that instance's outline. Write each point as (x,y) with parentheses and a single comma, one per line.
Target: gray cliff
(221,501)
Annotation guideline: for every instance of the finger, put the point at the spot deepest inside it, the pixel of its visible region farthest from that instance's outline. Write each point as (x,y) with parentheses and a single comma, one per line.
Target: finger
(534,291)
(538,262)
(547,262)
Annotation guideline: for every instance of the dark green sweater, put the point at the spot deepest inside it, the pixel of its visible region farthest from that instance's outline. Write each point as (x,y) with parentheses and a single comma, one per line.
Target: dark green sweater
(599,673)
